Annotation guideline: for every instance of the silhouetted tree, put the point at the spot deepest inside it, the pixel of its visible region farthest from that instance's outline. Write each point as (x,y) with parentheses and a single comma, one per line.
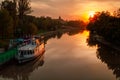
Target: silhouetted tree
(107,55)
(23,8)
(11,7)
(76,24)
(6,24)
(107,26)
(117,13)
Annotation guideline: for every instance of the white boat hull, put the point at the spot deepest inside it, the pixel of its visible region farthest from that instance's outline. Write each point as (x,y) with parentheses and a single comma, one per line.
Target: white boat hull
(29,52)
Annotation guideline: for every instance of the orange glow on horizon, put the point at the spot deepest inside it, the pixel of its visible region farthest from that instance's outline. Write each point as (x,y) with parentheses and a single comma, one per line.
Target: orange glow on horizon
(80,10)
(86,33)
(91,14)
(86,15)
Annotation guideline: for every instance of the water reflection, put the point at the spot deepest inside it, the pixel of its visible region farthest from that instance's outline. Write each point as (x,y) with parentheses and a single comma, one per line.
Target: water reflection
(14,71)
(107,55)
(74,32)
(59,34)
(21,72)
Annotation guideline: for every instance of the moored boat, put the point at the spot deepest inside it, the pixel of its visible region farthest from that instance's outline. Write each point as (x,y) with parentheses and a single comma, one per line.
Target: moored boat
(30,51)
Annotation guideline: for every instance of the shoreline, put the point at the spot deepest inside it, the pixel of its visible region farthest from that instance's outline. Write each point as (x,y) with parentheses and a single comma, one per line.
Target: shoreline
(103,41)
(41,36)
(49,33)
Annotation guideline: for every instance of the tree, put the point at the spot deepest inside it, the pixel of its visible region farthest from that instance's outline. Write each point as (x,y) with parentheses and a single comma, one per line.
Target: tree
(29,29)
(23,8)
(117,13)
(76,24)
(106,26)
(32,28)
(11,7)
(6,24)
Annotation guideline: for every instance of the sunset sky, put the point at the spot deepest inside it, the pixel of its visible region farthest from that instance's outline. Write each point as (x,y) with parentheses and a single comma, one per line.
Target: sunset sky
(71,9)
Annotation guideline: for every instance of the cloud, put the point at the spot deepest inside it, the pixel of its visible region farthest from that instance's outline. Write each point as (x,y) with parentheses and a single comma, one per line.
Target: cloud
(71,8)
(53,8)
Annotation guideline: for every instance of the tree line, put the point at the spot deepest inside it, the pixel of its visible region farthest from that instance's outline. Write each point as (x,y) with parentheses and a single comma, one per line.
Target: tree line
(15,21)
(106,25)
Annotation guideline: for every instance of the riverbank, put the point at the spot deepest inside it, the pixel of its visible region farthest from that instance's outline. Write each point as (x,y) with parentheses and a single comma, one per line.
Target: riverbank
(41,35)
(103,41)
(49,33)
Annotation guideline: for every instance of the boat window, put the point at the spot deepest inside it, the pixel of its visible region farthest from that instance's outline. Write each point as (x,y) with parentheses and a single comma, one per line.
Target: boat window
(30,51)
(21,54)
(26,52)
(19,51)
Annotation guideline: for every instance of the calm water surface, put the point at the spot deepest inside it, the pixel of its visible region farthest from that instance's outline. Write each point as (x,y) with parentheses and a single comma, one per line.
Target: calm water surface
(67,58)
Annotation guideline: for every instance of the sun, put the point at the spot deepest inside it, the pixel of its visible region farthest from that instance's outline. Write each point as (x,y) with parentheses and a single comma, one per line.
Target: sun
(91,14)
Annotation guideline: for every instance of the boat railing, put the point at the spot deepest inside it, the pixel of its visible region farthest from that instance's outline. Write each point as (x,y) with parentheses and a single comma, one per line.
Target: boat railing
(26,42)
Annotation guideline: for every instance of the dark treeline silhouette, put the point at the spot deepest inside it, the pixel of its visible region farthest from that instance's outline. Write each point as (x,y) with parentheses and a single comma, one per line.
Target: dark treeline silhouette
(16,21)
(106,25)
(108,55)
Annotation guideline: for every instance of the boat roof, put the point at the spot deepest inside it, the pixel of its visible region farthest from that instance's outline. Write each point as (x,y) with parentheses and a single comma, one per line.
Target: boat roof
(27,47)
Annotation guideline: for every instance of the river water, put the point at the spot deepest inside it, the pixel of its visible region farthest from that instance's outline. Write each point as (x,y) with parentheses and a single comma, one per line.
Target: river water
(67,57)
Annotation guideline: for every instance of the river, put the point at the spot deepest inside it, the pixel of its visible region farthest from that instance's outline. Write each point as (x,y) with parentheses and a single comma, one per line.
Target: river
(67,57)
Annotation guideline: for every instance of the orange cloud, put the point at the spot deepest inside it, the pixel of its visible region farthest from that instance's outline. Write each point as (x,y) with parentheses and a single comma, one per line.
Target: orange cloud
(72,9)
